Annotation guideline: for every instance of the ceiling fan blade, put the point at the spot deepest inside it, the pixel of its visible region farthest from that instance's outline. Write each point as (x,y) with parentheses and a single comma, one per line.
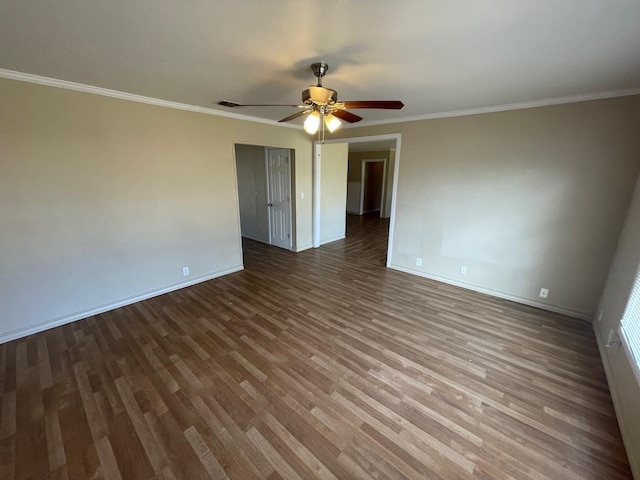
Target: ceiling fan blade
(295,115)
(227,103)
(346,116)
(384,104)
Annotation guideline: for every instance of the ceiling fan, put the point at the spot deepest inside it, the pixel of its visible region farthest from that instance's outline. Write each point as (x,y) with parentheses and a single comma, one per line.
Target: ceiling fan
(322,106)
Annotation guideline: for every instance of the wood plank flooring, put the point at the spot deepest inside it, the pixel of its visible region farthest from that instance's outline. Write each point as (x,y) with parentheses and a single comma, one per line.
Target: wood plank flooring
(322,364)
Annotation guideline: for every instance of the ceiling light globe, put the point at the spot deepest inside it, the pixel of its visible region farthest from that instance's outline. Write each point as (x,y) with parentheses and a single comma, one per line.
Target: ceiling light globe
(312,123)
(332,122)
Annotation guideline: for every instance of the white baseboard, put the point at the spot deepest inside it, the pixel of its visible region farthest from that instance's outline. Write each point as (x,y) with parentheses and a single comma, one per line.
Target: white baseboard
(256,239)
(494,293)
(615,397)
(303,248)
(332,239)
(56,322)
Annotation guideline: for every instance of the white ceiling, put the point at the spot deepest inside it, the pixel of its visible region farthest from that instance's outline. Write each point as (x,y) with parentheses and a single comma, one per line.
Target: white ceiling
(434,55)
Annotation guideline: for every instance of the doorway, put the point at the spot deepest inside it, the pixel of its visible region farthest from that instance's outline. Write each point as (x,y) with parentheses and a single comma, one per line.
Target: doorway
(377,148)
(264,194)
(372,186)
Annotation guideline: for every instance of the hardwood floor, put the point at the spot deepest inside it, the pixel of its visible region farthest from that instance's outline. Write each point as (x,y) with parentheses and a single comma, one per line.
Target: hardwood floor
(321,364)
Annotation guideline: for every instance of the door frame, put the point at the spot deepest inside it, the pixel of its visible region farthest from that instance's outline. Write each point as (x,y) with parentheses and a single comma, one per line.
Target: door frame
(317,187)
(292,190)
(382,189)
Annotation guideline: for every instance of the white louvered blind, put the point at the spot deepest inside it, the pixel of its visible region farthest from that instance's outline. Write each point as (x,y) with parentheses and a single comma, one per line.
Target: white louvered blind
(630,325)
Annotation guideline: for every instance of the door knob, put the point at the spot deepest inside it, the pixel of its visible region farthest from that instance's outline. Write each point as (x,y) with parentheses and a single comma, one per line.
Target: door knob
(270,204)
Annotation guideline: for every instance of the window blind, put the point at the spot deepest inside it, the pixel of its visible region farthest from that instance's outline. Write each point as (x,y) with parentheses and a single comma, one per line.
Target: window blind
(630,325)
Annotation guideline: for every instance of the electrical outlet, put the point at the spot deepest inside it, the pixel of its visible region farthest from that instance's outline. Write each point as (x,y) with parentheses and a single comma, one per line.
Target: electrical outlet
(463,270)
(544,292)
(418,262)
(185,271)
(301,195)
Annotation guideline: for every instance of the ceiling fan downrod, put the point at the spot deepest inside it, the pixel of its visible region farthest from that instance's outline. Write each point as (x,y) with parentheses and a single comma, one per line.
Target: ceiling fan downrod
(319,70)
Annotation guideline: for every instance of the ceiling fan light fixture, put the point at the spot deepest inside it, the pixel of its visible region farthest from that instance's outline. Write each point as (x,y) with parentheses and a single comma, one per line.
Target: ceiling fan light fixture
(320,96)
(322,106)
(312,123)
(332,122)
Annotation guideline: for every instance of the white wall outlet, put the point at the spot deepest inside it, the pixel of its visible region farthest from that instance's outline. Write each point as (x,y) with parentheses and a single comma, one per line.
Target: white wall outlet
(463,270)
(418,262)
(544,292)
(600,315)
(185,271)
(301,195)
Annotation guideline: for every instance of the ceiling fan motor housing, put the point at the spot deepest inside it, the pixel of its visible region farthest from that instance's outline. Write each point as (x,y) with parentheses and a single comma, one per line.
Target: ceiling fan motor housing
(319,96)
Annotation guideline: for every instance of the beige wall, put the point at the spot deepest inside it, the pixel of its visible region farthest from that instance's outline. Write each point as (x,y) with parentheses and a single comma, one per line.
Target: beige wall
(104,200)
(333,200)
(525,199)
(624,386)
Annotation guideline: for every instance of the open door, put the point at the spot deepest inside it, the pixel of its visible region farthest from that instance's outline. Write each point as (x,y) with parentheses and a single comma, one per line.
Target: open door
(279,196)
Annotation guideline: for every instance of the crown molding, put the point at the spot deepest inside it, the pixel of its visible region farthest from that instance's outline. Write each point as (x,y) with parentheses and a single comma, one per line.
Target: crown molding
(105,92)
(503,108)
